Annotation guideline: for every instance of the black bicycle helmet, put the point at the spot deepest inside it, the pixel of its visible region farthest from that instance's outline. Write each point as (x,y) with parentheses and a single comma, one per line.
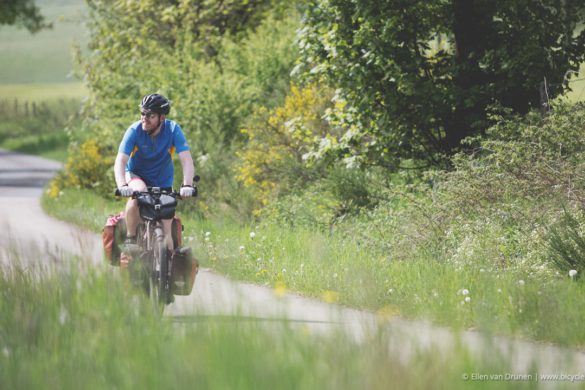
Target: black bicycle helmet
(156,103)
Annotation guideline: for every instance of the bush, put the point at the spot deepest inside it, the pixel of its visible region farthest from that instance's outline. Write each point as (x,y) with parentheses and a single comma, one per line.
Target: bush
(89,166)
(567,242)
(495,208)
(272,161)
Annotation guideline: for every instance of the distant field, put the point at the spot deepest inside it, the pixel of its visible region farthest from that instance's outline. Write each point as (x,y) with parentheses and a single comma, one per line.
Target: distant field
(44,57)
(578,86)
(42,92)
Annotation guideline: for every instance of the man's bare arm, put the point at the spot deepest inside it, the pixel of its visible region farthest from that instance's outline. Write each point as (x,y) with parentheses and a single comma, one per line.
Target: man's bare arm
(120,169)
(188,168)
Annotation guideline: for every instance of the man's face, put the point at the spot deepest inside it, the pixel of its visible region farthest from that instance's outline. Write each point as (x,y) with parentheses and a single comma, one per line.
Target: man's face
(150,121)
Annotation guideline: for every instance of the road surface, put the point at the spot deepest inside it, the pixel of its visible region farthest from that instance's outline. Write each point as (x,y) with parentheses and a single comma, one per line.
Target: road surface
(28,230)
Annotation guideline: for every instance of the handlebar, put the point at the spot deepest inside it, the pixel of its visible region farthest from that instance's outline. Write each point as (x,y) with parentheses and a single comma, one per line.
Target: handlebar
(149,190)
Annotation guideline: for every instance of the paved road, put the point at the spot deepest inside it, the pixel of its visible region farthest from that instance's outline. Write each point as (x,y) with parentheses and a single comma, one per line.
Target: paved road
(28,230)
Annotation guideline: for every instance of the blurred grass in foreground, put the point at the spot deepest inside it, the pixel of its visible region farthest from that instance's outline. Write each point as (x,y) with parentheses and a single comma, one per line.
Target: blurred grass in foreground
(86,330)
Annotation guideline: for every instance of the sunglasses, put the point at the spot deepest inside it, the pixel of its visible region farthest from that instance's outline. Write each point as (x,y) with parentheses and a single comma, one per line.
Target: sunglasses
(148,115)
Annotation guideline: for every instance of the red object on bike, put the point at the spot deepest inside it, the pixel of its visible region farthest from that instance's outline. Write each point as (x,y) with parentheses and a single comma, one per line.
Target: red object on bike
(113,235)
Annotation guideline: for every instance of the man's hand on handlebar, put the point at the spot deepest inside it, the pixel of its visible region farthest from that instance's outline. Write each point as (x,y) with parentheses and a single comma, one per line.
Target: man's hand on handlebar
(187,191)
(125,191)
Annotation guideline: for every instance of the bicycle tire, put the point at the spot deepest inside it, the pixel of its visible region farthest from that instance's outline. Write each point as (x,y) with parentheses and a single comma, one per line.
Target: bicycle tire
(159,288)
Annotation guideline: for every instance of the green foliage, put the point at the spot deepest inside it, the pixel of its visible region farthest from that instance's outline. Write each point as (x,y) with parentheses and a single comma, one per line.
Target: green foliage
(141,47)
(22,13)
(567,242)
(415,78)
(495,208)
(88,166)
(215,74)
(273,160)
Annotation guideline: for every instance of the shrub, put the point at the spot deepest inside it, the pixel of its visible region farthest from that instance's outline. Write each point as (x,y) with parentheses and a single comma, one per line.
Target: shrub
(89,165)
(496,207)
(272,161)
(567,242)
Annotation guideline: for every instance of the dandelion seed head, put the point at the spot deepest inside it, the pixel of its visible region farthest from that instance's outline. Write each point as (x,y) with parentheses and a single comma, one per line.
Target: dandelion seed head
(252,235)
(572,273)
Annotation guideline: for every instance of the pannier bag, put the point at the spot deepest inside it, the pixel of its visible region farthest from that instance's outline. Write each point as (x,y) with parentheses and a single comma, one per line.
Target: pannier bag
(183,271)
(114,234)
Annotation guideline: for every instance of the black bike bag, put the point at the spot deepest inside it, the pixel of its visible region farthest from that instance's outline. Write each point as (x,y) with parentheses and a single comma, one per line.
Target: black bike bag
(152,208)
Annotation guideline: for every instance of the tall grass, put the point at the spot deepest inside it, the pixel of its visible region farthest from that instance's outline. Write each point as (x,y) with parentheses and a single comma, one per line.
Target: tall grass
(89,329)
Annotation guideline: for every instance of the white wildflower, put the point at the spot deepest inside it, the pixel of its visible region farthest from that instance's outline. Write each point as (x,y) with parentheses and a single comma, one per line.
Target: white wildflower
(252,235)
(467,299)
(572,273)
(63,315)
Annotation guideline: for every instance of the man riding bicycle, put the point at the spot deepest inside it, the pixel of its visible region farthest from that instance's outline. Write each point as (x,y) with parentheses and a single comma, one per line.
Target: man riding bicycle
(145,159)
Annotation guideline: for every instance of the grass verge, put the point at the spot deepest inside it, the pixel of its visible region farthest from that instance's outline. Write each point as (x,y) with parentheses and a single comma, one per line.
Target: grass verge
(335,268)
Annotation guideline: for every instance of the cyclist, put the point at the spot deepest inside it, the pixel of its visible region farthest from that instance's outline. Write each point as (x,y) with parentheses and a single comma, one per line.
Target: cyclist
(145,158)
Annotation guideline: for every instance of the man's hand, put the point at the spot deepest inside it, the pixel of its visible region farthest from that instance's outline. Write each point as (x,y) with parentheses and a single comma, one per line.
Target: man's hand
(187,191)
(126,191)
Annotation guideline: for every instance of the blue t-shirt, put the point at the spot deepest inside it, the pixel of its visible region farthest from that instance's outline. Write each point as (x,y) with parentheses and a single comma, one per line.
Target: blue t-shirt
(152,159)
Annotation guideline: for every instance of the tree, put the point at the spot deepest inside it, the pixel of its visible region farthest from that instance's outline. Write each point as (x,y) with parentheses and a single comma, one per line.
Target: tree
(23,13)
(415,77)
(214,59)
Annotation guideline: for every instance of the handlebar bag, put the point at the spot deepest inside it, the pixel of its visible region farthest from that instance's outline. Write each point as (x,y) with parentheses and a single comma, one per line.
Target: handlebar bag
(152,209)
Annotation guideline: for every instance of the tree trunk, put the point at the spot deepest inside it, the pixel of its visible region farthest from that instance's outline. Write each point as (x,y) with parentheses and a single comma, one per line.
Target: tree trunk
(471,28)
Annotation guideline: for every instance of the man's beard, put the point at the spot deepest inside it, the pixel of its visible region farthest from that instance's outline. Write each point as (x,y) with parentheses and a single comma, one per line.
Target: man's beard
(155,128)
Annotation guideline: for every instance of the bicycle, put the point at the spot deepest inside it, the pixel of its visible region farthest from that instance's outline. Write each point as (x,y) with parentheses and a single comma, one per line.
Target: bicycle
(154,269)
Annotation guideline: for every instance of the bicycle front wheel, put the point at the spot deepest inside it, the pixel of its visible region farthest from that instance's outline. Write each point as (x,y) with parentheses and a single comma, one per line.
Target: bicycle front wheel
(159,283)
